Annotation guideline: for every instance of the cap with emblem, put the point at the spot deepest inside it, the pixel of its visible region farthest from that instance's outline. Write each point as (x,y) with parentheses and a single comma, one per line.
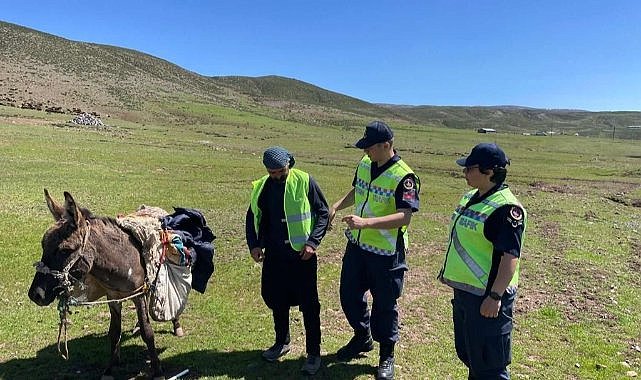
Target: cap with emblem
(485,155)
(375,132)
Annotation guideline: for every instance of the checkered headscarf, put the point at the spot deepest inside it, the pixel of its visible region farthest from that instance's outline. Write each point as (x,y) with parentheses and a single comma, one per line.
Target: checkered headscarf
(276,157)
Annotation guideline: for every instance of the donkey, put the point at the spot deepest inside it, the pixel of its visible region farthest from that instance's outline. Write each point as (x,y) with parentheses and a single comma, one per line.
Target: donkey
(81,248)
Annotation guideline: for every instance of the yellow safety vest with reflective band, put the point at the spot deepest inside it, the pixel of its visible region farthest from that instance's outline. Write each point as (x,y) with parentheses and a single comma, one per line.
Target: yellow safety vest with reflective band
(469,256)
(376,198)
(298,214)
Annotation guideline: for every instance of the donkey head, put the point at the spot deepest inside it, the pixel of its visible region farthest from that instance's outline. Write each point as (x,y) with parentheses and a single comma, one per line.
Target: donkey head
(63,245)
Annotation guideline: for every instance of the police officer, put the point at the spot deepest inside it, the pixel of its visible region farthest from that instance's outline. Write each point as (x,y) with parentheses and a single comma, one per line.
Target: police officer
(482,264)
(286,221)
(385,193)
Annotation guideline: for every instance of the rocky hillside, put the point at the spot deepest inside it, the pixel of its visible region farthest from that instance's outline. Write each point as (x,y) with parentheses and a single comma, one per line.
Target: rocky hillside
(43,71)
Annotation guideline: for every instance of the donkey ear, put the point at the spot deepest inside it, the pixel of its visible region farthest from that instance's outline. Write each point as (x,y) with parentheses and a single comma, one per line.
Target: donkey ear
(56,210)
(72,211)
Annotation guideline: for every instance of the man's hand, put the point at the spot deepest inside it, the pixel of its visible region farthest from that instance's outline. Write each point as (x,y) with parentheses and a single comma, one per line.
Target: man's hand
(307,252)
(257,254)
(332,215)
(490,308)
(355,222)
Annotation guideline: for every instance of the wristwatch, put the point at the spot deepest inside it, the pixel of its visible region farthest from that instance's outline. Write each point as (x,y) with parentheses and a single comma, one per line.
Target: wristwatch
(495,296)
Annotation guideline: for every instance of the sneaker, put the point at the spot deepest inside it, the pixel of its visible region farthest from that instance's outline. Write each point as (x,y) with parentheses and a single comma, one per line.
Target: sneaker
(355,346)
(312,365)
(385,369)
(276,351)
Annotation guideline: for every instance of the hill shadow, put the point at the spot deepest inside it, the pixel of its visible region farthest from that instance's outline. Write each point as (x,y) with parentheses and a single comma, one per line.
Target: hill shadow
(88,356)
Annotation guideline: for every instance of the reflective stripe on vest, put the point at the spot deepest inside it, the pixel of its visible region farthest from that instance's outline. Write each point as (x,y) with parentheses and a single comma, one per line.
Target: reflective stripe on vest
(373,198)
(469,256)
(298,214)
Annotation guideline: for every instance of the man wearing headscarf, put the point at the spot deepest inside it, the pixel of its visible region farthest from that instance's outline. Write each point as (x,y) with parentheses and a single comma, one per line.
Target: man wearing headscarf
(286,221)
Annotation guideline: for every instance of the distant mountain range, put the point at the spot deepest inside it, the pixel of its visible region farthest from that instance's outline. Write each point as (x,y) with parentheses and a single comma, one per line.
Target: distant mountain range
(40,70)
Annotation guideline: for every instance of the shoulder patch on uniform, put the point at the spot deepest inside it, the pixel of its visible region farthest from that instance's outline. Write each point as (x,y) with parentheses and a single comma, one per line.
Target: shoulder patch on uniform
(408,184)
(516,213)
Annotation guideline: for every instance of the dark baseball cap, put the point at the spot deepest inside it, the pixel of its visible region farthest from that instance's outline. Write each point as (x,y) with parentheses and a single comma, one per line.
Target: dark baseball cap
(375,132)
(485,155)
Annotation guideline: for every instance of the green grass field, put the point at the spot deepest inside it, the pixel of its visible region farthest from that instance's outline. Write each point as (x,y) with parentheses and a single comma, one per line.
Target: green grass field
(579,306)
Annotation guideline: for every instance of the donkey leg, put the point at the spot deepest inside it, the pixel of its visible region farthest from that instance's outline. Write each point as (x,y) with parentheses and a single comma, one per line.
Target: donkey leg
(115,327)
(148,335)
(178,330)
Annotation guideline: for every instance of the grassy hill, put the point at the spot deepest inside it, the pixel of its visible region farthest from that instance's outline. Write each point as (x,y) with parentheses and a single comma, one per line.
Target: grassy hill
(48,71)
(45,71)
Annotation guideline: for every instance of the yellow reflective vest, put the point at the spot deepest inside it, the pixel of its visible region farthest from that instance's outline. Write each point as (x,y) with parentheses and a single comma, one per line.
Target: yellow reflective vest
(469,255)
(297,207)
(373,198)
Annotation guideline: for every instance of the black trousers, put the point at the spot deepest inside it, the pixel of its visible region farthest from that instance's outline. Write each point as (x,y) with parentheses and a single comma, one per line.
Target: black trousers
(289,281)
(383,277)
(483,344)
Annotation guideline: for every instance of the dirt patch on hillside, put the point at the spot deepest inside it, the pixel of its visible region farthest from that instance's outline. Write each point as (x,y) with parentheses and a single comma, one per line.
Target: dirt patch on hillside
(621,198)
(553,188)
(634,262)
(26,121)
(584,295)
(580,291)
(617,191)
(579,301)
(550,232)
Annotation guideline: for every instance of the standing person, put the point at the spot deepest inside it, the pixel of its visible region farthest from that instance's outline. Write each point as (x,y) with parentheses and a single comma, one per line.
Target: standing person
(286,221)
(385,194)
(482,264)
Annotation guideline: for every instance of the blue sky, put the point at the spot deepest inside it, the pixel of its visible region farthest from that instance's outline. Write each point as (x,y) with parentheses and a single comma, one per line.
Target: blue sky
(544,54)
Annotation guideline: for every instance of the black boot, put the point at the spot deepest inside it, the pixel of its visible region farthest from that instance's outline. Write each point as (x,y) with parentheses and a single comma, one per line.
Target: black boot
(385,369)
(360,342)
(386,362)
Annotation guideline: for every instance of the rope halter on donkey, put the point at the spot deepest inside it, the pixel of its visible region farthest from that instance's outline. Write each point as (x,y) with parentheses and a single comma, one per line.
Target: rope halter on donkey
(67,281)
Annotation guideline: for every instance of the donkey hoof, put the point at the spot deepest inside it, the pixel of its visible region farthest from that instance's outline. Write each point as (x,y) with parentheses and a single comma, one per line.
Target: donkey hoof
(178,331)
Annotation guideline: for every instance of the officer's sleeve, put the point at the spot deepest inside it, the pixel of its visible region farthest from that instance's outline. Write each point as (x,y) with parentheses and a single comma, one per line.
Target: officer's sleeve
(406,194)
(250,232)
(320,211)
(505,229)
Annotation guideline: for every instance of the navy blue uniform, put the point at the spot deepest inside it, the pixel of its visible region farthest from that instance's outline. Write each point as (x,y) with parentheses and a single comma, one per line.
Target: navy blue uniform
(484,344)
(286,279)
(381,275)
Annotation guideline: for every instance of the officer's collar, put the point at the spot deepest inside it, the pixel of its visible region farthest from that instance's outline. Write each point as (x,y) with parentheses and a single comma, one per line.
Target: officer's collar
(387,163)
(476,198)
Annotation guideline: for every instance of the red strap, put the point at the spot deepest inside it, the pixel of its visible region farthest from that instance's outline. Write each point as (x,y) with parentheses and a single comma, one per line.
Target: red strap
(164,241)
